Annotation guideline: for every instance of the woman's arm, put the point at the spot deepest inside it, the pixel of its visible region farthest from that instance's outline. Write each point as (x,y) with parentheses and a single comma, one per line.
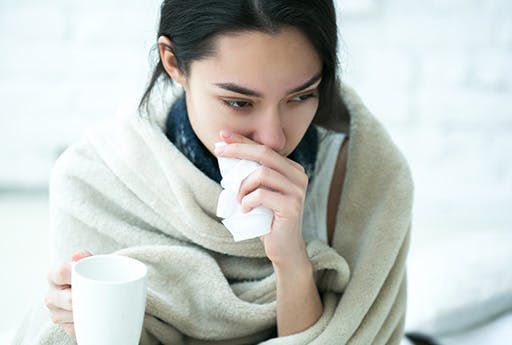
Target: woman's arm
(280,185)
(298,303)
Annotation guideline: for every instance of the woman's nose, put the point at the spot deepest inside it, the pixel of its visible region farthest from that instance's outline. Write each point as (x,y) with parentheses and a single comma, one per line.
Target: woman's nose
(270,132)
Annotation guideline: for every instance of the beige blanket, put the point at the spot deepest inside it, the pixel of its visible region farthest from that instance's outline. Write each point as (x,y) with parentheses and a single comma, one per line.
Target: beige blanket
(125,188)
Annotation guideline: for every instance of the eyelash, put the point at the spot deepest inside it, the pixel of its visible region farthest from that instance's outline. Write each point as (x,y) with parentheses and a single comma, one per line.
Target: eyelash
(229,103)
(306,96)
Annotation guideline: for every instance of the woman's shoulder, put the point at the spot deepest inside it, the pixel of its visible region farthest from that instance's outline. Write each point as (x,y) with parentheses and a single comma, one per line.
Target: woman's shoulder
(327,132)
(87,153)
(77,162)
(336,187)
(79,150)
(329,144)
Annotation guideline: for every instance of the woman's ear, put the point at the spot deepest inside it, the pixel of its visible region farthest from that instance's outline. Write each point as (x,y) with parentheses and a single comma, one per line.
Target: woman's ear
(169,60)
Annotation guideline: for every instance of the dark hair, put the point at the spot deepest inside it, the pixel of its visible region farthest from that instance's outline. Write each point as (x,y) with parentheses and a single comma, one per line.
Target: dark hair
(192,27)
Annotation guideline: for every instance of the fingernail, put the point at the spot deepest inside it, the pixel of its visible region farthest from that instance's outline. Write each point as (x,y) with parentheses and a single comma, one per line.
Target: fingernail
(79,255)
(225,133)
(220,147)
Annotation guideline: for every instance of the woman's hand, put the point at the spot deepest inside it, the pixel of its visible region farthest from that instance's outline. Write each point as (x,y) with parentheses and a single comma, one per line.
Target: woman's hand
(280,184)
(58,297)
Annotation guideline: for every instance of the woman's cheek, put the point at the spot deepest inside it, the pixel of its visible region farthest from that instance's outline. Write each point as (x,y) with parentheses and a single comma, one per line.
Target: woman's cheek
(236,122)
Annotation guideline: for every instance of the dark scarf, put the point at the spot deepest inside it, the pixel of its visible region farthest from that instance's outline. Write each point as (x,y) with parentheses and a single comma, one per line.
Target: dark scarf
(180,133)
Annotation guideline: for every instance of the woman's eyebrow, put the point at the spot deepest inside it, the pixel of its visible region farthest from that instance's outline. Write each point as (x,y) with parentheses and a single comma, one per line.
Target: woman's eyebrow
(252,93)
(307,84)
(239,89)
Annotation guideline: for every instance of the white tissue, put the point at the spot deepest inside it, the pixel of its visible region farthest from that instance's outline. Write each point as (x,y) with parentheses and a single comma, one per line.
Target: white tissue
(243,226)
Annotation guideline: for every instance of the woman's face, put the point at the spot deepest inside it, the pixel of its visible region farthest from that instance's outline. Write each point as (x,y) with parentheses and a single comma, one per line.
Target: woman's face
(262,86)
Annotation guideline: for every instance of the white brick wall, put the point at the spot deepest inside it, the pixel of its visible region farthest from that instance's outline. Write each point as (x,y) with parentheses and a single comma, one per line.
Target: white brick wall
(438,74)
(64,64)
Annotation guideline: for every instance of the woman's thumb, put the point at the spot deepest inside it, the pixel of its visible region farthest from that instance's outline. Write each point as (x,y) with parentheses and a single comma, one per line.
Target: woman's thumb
(80,255)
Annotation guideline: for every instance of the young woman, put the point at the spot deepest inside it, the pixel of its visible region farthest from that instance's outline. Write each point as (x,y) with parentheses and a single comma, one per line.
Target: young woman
(260,76)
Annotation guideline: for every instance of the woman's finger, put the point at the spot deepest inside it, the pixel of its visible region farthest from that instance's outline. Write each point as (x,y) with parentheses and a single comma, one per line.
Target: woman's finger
(60,275)
(269,179)
(283,206)
(80,255)
(266,157)
(59,298)
(61,316)
(232,138)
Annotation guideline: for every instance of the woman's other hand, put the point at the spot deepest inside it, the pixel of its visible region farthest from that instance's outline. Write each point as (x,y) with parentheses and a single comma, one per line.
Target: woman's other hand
(58,297)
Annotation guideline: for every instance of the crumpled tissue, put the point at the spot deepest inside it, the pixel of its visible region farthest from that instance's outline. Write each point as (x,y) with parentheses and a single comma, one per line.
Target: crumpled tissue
(243,226)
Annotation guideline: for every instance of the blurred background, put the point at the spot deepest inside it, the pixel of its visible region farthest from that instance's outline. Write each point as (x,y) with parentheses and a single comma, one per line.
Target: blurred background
(438,74)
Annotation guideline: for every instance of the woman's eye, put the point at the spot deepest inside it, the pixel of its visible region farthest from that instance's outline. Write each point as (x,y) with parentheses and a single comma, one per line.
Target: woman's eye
(302,98)
(236,104)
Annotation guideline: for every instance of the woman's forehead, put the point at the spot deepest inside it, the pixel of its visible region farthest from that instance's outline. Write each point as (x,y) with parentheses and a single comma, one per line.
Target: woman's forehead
(258,60)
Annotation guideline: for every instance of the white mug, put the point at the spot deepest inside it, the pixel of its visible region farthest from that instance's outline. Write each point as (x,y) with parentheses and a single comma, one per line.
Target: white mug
(109,299)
